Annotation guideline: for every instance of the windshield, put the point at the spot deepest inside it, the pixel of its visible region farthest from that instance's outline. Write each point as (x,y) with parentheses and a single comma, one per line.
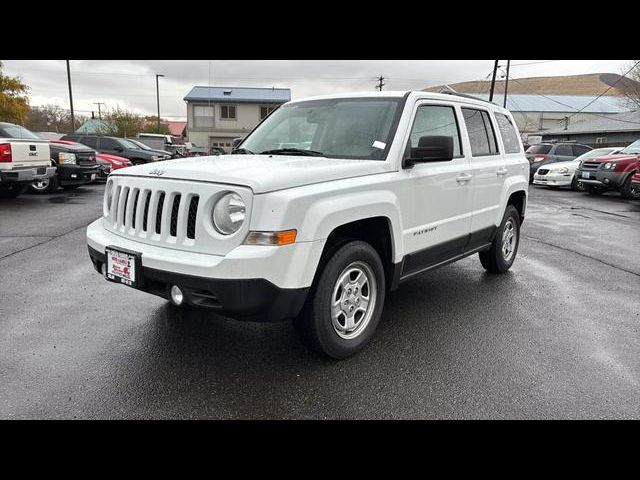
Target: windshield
(358,128)
(632,149)
(140,145)
(539,149)
(128,144)
(16,131)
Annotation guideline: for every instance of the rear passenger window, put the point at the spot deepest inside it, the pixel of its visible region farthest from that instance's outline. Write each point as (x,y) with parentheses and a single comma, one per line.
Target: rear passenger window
(508,132)
(481,134)
(436,120)
(579,150)
(564,150)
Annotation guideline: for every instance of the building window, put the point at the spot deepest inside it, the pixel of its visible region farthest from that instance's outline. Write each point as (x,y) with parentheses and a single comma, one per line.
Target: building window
(601,141)
(227,112)
(202,116)
(265,111)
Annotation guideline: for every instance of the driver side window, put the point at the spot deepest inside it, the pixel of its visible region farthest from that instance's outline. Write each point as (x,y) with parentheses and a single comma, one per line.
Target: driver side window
(436,120)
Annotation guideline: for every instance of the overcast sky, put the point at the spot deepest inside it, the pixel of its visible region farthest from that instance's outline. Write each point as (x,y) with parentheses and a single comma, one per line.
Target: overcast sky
(131,83)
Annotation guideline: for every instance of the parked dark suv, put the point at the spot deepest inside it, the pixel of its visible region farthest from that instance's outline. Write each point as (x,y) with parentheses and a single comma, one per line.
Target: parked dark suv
(116,146)
(547,152)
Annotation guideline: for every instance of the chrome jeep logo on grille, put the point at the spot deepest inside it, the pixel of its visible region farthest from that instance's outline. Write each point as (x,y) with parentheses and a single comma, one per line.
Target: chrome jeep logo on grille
(156,172)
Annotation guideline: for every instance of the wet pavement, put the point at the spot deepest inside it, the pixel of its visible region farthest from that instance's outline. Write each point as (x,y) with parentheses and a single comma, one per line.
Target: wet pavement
(556,337)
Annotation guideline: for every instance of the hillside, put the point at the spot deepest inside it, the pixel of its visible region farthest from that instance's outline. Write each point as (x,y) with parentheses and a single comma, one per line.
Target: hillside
(589,84)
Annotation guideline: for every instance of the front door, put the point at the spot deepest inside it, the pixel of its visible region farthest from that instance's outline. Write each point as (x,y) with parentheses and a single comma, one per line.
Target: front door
(436,196)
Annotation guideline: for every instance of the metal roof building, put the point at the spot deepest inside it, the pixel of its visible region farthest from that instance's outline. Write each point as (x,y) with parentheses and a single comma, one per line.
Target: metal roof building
(614,130)
(238,95)
(559,103)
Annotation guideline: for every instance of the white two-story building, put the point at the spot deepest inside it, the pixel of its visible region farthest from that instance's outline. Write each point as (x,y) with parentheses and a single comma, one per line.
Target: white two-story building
(218,115)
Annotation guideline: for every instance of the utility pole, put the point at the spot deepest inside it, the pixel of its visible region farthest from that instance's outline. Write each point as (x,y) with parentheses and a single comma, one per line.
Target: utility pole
(99,112)
(158,99)
(73,120)
(380,84)
(493,80)
(506,84)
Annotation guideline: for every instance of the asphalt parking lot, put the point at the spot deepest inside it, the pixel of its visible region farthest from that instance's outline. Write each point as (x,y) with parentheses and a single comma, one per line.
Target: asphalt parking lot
(556,337)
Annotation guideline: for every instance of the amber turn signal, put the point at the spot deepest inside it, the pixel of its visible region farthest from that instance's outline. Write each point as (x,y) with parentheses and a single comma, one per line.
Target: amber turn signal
(284,237)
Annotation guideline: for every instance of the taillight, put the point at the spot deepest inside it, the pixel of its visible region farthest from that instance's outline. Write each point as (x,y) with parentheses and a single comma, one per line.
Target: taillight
(5,152)
(539,158)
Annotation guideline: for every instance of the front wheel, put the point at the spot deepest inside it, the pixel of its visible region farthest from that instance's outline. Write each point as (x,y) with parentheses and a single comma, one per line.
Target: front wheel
(346,302)
(501,255)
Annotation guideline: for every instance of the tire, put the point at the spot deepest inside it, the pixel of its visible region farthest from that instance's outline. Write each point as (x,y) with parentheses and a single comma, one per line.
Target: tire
(70,187)
(327,332)
(591,190)
(47,185)
(13,190)
(576,186)
(495,260)
(628,191)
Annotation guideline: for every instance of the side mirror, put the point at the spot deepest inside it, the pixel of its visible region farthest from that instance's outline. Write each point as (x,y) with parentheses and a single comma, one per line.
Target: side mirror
(431,148)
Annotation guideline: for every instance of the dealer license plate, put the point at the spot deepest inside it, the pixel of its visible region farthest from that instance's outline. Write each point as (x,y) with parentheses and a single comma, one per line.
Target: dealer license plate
(585,175)
(122,267)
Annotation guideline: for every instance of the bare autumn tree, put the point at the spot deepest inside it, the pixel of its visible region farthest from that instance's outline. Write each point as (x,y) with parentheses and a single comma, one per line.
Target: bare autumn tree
(630,85)
(14,103)
(49,118)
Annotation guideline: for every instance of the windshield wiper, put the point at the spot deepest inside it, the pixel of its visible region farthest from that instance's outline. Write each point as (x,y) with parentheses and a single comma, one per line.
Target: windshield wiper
(241,151)
(292,151)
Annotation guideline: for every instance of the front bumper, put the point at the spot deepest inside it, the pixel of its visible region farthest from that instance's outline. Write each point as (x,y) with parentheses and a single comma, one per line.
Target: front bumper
(553,179)
(27,175)
(254,283)
(76,174)
(600,178)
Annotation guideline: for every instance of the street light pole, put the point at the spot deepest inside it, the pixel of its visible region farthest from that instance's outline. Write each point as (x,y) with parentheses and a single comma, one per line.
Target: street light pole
(158,100)
(506,85)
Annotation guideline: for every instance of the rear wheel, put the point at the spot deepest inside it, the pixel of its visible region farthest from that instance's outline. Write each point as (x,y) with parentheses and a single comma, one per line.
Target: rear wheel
(345,304)
(45,185)
(501,255)
(628,190)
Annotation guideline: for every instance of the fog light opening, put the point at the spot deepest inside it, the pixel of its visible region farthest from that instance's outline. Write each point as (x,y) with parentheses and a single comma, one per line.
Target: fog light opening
(177,297)
(104,270)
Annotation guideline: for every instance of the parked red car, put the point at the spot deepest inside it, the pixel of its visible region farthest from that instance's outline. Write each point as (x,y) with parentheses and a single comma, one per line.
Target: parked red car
(597,175)
(635,183)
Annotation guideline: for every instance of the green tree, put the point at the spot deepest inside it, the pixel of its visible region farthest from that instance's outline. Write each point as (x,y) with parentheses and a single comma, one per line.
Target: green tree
(14,103)
(122,123)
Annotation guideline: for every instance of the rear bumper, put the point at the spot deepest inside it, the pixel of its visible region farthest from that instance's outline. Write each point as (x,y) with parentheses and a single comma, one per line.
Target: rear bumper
(26,175)
(252,299)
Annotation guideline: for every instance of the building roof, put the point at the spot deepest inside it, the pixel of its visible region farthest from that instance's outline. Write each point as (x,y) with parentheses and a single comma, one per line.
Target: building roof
(238,94)
(91,126)
(176,128)
(559,103)
(589,84)
(619,122)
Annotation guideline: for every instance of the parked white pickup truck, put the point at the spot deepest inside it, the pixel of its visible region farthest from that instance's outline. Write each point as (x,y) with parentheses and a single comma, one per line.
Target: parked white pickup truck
(22,160)
(371,190)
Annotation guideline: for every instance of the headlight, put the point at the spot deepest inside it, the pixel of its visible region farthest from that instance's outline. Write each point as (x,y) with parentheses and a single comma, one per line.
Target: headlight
(229,213)
(607,165)
(67,158)
(155,157)
(562,170)
(613,166)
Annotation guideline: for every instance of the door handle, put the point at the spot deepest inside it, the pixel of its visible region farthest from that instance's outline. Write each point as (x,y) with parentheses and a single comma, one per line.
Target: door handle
(502,171)
(463,178)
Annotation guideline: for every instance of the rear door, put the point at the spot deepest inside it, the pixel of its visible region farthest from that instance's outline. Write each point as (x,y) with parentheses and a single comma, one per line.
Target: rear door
(488,171)
(562,153)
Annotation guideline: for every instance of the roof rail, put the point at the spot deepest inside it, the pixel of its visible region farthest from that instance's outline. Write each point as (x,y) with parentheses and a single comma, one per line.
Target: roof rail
(448,92)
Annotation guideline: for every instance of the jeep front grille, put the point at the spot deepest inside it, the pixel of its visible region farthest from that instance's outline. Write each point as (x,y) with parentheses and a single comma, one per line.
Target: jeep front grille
(174,214)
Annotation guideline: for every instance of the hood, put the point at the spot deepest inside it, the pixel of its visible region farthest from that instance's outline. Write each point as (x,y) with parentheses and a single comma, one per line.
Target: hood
(70,147)
(612,158)
(261,173)
(558,165)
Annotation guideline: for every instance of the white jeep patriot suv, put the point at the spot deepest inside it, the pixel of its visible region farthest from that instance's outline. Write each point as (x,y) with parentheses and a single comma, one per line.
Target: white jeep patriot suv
(328,204)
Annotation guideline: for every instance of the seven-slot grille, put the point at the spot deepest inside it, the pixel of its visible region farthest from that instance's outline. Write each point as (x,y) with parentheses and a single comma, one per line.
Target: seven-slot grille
(142,211)
(590,165)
